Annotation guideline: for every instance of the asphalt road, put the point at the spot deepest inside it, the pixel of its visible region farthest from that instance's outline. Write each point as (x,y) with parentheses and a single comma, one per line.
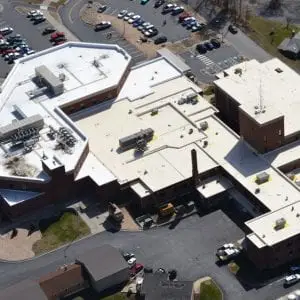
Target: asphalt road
(189,248)
(246,47)
(206,66)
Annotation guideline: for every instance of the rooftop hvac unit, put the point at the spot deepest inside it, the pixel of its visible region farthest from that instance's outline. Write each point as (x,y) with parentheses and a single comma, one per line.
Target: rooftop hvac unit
(262,178)
(280,223)
(204,125)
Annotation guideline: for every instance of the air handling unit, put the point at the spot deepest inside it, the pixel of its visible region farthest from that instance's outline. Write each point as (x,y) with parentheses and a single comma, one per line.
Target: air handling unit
(132,140)
(52,82)
(27,126)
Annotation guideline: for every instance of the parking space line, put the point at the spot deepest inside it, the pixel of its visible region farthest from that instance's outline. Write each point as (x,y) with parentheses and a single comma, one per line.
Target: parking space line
(108,9)
(113,12)
(2,23)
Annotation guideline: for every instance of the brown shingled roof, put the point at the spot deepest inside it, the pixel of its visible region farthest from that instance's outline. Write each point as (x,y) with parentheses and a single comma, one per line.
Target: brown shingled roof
(63,281)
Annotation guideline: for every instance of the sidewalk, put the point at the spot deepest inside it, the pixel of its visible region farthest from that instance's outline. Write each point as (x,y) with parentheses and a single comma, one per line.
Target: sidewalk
(57,25)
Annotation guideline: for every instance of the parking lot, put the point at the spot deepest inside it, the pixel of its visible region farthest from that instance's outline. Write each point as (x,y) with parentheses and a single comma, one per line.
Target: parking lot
(23,26)
(206,66)
(172,29)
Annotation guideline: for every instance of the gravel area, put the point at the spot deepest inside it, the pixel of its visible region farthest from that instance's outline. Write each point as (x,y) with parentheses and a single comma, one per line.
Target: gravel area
(132,35)
(19,247)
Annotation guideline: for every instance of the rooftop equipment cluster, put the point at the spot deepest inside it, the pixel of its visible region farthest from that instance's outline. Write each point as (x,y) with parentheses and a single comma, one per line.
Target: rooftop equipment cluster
(137,140)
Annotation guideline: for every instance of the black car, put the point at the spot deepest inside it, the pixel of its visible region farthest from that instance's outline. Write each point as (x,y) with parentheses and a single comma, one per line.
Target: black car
(39,20)
(159,3)
(101,8)
(151,33)
(102,25)
(215,43)
(177,10)
(48,30)
(232,29)
(201,48)
(209,46)
(160,40)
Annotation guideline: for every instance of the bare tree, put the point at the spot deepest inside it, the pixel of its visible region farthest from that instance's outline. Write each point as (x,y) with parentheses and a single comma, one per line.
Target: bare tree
(288,22)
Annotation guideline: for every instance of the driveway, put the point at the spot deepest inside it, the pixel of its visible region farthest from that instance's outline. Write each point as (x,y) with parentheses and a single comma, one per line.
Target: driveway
(189,248)
(206,66)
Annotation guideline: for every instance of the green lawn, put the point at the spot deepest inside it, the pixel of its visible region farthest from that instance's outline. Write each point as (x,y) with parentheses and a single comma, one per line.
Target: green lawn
(65,229)
(260,30)
(210,291)
(118,296)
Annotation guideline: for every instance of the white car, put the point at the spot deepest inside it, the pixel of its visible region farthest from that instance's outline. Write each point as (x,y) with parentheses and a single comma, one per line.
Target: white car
(6,30)
(32,12)
(122,14)
(134,18)
(129,16)
(144,25)
(131,261)
(290,279)
(36,14)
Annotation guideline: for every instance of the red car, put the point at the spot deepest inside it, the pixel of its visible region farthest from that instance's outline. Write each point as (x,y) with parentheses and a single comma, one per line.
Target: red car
(59,42)
(56,35)
(136,269)
(7,51)
(183,16)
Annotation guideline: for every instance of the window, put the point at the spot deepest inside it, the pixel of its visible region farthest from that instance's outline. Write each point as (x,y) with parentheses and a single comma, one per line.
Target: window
(265,138)
(278,70)
(279,132)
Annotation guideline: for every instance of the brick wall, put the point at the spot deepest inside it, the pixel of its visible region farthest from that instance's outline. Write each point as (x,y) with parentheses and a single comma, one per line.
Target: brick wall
(263,137)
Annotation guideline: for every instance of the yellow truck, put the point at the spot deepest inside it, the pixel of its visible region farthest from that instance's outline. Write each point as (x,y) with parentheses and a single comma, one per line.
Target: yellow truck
(166,210)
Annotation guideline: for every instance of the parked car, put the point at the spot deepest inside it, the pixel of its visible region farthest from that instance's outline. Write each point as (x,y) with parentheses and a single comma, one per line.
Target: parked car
(177,10)
(136,269)
(151,33)
(143,2)
(48,30)
(131,261)
(33,13)
(127,255)
(134,18)
(215,43)
(232,29)
(160,40)
(60,39)
(128,16)
(209,46)
(168,8)
(159,3)
(56,35)
(122,14)
(101,8)
(191,24)
(6,30)
(59,42)
(183,16)
(144,25)
(147,28)
(201,48)
(138,22)
(198,27)
(39,19)
(291,279)
(102,25)
(187,21)
(7,51)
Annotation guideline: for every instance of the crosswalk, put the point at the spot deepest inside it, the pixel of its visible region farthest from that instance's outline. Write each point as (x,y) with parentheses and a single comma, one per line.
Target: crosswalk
(207,61)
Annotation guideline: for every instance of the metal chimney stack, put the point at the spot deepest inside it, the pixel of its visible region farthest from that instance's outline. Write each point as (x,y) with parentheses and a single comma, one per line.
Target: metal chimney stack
(194,166)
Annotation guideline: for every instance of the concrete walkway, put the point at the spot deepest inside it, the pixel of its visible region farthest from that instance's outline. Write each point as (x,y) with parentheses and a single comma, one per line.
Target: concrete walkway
(56,24)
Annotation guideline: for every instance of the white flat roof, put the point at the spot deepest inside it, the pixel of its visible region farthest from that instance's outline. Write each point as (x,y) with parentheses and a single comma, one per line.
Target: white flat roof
(167,159)
(87,69)
(213,186)
(279,92)
(264,226)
